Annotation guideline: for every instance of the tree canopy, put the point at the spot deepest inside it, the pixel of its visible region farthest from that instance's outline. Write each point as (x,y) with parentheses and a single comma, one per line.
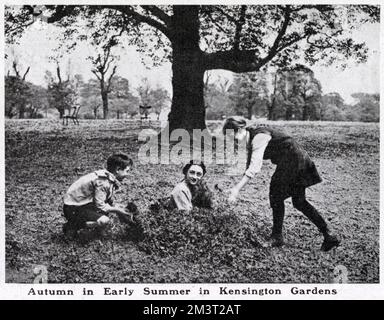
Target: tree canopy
(238,38)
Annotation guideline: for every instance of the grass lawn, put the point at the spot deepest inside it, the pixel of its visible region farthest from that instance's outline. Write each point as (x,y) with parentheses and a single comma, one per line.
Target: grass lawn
(42,158)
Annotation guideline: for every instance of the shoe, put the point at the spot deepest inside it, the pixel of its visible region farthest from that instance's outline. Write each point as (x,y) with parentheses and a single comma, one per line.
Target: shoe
(329,243)
(69,231)
(277,240)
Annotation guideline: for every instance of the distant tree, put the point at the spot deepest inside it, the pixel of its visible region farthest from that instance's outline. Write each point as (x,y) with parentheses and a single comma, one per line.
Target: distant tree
(160,99)
(122,100)
(157,98)
(104,71)
(284,101)
(61,93)
(90,98)
(143,91)
(38,101)
(217,96)
(308,91)
(368,106)
(17,92)
(250,93)
(272,99)
(298,92)
(333,108)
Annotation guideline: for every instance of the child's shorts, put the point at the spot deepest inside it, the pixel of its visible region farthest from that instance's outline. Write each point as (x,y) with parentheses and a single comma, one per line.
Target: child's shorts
(77,216)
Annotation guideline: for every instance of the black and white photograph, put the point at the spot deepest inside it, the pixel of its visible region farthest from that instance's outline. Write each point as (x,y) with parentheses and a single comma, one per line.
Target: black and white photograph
(229,145)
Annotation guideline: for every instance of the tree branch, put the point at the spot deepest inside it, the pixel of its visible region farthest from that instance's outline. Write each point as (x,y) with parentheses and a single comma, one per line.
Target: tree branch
(107,53)
(158,13)
(25,74)
(228,16)
(58,73)
(110,78)
(96,74)
(232,60)
(59,12)
(130,12)
(328,39)
(239,26)
(107,66)
(289,43)
(14,66)
(282,31)
(8,30)
(244,60)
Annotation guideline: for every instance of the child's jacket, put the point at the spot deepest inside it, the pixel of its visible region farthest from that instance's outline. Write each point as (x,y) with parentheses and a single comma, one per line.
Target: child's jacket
(97,187)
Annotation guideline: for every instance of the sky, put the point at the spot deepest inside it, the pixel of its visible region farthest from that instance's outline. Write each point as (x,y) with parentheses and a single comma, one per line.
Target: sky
(37,44)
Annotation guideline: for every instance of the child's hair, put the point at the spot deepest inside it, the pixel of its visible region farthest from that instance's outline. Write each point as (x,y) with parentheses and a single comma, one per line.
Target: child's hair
(194,162)
(118,161)
(234,123)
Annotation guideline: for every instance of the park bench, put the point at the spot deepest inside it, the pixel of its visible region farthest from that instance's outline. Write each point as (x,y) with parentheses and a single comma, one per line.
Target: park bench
(73,116)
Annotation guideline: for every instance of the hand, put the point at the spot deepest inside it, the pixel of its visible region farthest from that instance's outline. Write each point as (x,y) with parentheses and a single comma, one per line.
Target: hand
(123,215)
(126,217)
(233,194)
(103,221)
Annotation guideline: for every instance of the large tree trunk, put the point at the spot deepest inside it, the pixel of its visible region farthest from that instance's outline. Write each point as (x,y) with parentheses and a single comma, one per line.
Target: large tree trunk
(187,110)
(104,97)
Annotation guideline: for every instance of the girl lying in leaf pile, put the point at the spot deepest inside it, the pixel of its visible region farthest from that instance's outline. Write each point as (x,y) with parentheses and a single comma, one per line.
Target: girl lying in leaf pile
(192,191)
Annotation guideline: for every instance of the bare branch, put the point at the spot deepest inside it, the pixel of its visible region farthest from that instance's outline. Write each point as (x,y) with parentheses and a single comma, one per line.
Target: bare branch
(96,74)
(282,31)
(228,16)
(157,12)
(218,25)
(107,53)
(60,12)
(14,66)
(26,72)
(329,38)
(239,26)
(108,65)
(110,78)
(58,73)
(130,12)
(289,43)
(10,30)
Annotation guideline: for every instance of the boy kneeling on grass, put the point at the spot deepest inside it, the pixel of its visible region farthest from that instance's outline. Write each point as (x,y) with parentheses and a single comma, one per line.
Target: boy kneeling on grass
(88,200)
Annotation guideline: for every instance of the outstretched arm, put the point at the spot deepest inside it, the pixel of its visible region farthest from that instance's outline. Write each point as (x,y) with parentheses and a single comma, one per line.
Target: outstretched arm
(234,193)
(123,215)
(259,144)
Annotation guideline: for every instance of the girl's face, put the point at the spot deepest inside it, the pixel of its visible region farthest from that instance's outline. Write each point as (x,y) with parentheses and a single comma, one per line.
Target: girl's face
(194,175)
(241,134)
